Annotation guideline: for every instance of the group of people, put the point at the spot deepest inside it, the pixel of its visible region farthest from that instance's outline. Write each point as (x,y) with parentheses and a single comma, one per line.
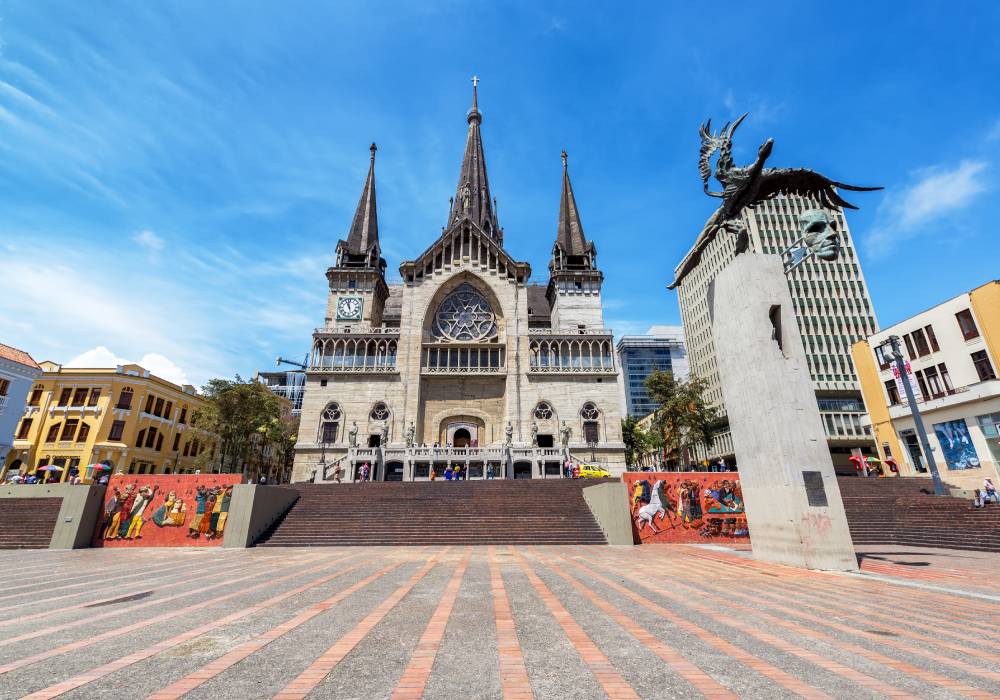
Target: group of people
(43,476)
(987,494)
(456,473)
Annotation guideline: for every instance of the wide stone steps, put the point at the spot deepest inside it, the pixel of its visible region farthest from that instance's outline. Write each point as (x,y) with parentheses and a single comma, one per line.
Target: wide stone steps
(904,511)
(27,523)
(438,513)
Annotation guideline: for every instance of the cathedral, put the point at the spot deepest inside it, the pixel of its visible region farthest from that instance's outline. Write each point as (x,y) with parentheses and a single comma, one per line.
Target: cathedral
(466,362)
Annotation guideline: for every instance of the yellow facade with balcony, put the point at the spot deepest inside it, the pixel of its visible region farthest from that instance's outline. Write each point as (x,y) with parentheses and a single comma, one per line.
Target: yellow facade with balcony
(126,417)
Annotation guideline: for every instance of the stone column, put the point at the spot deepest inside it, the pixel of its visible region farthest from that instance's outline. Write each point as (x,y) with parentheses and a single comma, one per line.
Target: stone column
(793,504)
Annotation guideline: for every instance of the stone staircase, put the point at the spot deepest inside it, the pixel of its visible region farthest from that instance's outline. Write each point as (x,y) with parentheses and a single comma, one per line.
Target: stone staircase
(904,511)
(27,523)
(528,511)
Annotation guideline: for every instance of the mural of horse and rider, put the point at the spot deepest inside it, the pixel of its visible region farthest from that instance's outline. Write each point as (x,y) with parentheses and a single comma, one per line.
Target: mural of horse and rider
(683,507)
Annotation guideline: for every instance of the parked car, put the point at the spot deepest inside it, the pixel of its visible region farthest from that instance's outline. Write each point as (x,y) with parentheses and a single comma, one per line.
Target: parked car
(592,471)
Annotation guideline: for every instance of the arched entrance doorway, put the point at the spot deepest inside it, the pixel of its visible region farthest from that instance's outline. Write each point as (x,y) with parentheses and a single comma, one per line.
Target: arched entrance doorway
(522,470)
(462,438)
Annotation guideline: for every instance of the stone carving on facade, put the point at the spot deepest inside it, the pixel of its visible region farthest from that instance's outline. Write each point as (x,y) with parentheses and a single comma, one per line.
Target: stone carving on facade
(352,434)
(411,433)
(509,434)
(385,434)
(745,187)
(534,434)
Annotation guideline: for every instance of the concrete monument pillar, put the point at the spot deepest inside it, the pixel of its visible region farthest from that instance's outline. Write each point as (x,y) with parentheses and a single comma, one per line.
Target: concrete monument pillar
(793,504)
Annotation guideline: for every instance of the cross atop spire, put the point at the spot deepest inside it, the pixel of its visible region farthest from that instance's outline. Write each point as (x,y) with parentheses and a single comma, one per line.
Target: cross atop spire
(474,112)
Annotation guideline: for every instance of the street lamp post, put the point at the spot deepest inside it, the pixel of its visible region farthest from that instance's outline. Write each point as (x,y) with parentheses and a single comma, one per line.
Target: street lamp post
(593,446)
(896,355)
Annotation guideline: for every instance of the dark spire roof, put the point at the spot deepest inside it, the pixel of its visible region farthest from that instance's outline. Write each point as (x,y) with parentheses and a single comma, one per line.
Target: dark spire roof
(472,196)
(569,235)
(364,228)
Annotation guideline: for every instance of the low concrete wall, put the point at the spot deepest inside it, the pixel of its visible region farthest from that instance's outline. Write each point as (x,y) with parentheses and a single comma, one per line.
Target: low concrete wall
(252,510)
(78,515)
(609,504)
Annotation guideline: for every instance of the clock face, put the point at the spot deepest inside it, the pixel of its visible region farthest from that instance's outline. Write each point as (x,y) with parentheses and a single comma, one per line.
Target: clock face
(349,308)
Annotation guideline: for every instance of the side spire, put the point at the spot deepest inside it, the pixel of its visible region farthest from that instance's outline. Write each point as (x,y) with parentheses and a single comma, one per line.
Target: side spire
(572,247)
(362,245)
(472,197)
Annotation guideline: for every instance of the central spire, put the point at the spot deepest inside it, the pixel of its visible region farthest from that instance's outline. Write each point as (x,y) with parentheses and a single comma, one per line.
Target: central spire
(472,196)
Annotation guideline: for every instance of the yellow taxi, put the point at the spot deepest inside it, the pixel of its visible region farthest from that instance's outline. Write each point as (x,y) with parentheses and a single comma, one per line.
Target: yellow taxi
(590,471)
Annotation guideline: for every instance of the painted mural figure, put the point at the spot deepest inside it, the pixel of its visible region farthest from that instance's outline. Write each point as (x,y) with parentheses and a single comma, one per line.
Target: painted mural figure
(164,516)
(200,499)
(648,512)
(135,522)
(112,513)
(220,513)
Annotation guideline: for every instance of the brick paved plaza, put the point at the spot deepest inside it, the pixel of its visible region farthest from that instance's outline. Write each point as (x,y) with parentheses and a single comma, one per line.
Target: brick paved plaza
(568,622)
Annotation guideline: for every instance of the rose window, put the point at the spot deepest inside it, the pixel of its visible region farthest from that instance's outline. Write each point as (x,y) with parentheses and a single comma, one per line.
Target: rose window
(380,411)
(465,316)
(589,411)
(543,411)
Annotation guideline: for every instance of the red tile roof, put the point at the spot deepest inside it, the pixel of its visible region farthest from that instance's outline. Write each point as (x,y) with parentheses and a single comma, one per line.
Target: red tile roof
(19,356)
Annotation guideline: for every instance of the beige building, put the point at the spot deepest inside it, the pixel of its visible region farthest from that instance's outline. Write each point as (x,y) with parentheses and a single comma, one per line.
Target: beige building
(466,354)
(952,350)
(832,307)
(135,421)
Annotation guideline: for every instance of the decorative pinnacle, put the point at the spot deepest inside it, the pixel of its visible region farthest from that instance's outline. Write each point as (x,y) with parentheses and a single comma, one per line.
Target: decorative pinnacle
(565,158)
(373,149)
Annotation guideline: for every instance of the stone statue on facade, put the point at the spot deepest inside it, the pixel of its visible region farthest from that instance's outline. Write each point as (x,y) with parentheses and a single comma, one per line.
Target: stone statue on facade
(565,432)
(411,434)
(385,434)
(352,434)
(534,434)
(745,187)
(509,434)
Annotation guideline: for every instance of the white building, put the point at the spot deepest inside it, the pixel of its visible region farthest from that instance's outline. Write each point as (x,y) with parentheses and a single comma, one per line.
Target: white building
(660,349)
(832,308)
(465,362)
(17,372)
(953,350)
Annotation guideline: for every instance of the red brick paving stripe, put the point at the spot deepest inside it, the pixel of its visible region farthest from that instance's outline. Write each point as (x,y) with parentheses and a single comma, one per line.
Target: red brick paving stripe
(118,664)
(724,598)
(52,582)
(916,649)
(208,574)
(705,684)
(862,679)
(149,576)
(148,622)
(866,611)
(782,678)
(258,642)
(514,682)
(974,610)
(414,679)
(613,683)
(306,681)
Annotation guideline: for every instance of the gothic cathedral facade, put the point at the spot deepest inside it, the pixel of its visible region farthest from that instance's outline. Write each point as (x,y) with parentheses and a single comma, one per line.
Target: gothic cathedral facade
(465,362)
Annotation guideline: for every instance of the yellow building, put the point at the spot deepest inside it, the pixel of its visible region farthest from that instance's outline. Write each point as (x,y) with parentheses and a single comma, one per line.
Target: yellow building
(953,350)
(125,416)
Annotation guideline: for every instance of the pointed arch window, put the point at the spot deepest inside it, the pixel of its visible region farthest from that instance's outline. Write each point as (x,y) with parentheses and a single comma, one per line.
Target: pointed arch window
(380,411)
(543,411)
(330,423)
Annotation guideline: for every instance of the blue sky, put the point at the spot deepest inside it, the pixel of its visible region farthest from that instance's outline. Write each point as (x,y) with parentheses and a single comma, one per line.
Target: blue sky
(175,175)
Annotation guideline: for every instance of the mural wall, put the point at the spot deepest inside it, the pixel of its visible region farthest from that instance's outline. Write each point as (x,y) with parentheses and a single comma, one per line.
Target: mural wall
(165,510)
(686,507)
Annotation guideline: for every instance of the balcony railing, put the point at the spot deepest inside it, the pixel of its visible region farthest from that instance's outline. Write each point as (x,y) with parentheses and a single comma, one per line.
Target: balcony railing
(357,331)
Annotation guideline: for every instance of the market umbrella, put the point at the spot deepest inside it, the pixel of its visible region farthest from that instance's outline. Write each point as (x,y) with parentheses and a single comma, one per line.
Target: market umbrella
(874,460)
(51,468)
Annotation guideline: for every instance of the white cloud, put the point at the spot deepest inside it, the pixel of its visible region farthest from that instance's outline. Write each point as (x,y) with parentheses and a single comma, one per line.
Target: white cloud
(935,193)
(156,363)
(149,240)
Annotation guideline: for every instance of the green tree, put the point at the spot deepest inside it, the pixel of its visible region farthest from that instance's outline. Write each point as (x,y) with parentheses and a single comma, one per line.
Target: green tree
(242,416)
(684,419)
(633,438)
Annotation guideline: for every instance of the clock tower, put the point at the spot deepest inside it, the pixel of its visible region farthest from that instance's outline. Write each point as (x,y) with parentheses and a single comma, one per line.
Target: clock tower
(357,280)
